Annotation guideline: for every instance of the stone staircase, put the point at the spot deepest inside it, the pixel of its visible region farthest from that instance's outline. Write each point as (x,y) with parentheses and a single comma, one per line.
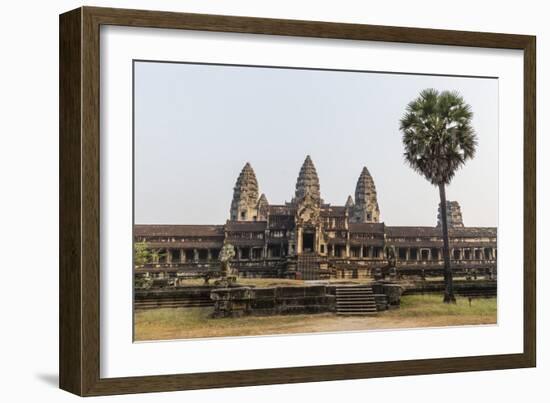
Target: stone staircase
(308,266)
(355,300)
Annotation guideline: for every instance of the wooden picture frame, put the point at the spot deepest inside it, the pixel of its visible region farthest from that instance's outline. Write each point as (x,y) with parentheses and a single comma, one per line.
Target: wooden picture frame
(79,346)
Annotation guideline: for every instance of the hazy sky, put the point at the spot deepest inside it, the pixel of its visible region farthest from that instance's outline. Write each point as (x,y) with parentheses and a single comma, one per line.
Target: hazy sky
(196,126)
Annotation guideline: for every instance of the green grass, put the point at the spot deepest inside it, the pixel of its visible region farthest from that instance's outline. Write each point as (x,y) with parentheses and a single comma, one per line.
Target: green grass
(429,305)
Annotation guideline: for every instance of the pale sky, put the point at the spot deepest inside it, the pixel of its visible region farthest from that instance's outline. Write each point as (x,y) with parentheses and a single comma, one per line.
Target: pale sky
(197,125)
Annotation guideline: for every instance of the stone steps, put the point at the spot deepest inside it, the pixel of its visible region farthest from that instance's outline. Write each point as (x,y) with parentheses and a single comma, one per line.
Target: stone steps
(308,265)
(353,300)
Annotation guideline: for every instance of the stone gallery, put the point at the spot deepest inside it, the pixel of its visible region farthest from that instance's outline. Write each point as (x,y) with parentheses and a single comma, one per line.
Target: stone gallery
(310,239)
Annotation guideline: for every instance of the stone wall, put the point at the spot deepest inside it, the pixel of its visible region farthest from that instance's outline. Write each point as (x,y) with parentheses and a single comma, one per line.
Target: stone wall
(184,297)
(285,300)
(240,301)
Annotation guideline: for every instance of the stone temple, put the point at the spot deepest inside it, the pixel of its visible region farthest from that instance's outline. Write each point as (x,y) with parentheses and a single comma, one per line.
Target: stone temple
(308,238)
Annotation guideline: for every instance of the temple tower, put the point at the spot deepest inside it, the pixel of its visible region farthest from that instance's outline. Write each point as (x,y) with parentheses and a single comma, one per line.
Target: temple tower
(454,215)
(307,199)
(307,185)
(366,202)
(244,206)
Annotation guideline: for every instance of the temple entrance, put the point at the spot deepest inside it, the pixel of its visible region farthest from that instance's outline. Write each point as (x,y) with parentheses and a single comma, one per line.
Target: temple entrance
(308,241)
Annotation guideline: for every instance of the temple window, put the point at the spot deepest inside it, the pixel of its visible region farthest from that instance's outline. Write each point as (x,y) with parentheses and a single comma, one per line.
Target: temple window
(402,253)
(175,255)
(203,254)
(256,253)
(162,256)
(275,251)
(189,255)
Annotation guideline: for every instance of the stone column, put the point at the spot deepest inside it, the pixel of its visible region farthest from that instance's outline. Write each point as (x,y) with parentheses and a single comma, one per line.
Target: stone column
(209,254)
(195,255)
(348,246)
(182,255)
(299,240)
(317,241)
(361,251)
(168,255)
(408,254)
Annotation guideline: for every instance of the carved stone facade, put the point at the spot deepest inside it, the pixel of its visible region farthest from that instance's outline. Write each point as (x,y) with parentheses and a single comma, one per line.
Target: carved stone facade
(366,203)
(244,206)
(454,215)
(287,240)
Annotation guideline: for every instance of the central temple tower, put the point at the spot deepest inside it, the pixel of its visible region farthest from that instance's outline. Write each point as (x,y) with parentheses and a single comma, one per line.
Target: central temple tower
(307,185)
(307,200)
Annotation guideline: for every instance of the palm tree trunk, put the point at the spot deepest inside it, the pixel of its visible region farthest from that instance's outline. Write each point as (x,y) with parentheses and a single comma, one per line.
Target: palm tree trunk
(448,274)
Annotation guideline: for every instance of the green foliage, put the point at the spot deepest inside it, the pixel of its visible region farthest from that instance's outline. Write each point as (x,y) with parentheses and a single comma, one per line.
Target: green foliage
(438,135)
(143,283)
(142,255)
(429,305)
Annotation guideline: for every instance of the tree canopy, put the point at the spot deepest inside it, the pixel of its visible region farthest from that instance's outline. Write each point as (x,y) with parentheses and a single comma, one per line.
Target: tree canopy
(438,135)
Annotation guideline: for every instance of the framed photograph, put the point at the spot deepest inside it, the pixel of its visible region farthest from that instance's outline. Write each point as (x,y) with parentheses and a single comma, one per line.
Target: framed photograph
(249,201)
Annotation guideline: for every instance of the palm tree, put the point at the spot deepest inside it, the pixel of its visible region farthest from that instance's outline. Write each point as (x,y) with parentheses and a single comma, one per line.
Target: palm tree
(439,139)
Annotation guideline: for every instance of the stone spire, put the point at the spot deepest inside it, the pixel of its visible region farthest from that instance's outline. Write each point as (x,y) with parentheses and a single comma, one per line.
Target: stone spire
(366,203)
(307,185)
(263,201)
(349,202)
(454,215)
(245,196)
(263,206)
